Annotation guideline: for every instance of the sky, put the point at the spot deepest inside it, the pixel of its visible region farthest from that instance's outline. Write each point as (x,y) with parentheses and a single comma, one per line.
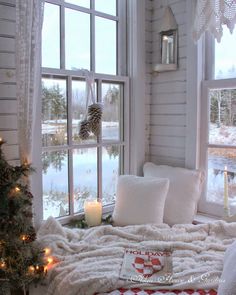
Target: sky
(77,37)
(225,52)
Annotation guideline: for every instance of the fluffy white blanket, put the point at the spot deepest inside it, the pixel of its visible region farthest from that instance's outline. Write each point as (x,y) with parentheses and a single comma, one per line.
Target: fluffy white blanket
(91,259)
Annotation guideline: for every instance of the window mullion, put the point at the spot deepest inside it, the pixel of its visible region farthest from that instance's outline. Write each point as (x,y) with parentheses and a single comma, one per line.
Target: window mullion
(62,35)
(92,37)
(70,151)
(99,165)
(121,40)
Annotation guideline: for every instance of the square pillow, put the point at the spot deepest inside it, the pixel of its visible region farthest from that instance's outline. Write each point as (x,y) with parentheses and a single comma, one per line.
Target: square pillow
(184,191)
(139,200)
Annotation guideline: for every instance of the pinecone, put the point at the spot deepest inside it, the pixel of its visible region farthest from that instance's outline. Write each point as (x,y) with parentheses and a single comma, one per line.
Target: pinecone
(95,128)
(94,117)
(84,129)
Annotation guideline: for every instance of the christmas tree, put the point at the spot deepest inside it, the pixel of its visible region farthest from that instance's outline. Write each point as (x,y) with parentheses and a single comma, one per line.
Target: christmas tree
(21,257)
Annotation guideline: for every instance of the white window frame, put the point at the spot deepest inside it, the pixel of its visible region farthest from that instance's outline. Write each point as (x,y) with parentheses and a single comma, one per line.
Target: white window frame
(200,69)
(135,114)
(120,78)
(207,85)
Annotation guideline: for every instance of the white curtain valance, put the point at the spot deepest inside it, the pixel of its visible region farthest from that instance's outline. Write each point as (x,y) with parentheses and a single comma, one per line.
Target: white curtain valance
(212,15)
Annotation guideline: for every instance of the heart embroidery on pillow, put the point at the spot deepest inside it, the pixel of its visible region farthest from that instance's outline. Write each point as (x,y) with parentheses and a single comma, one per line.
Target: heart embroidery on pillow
(147,266)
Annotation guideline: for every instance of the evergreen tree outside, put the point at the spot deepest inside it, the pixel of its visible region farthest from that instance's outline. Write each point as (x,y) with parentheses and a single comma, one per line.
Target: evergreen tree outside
(21,257)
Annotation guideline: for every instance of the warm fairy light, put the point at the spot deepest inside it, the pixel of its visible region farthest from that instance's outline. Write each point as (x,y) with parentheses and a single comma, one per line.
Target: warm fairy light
(23,237)
(17,189)
(2,264)
(47,251)
(37,267)
(31,269)
(50,260)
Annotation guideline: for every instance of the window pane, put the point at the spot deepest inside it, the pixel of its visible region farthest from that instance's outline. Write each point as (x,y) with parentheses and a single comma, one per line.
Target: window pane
(54,112)
(79,111)
(110,172)
(83,3)
(85,176)
(77,39)
(51,36)
(55,184)
(105,6)
(225,62)
(105,46)
(111,98)
(218,158)
(222,128)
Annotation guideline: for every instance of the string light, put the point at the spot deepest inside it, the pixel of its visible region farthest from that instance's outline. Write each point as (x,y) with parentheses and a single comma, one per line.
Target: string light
(47,251)
(2,264)
(50,260)
(23,238)
(31,269)
(17,189)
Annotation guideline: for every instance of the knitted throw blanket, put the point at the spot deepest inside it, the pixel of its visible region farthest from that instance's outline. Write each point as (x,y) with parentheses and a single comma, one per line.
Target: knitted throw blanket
(91,259)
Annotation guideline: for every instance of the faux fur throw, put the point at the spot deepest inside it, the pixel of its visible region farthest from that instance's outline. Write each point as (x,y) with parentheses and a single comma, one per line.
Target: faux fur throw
(91,259)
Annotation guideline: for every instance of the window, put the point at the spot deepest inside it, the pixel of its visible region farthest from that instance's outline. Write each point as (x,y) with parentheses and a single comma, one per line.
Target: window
(82,34)
(218,125)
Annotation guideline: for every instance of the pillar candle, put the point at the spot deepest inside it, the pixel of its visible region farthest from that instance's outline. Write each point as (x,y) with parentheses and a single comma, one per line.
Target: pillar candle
(93,212)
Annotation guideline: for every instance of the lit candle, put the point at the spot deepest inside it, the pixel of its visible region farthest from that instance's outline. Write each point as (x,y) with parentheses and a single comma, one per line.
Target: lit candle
(1,139)
(226,192)
(93,212)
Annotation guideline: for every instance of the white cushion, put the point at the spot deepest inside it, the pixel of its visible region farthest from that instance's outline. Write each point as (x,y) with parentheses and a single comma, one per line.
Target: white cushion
(227,282)
(184,191)
(139,200)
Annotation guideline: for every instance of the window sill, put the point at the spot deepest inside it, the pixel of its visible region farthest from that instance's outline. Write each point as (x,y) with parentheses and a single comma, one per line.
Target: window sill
(203,218)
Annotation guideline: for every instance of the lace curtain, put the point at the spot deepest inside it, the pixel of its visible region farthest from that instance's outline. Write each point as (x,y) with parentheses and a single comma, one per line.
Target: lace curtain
(29,17)
(212,15)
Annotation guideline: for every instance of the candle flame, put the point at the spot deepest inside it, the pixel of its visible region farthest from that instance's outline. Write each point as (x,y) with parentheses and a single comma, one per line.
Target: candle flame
(225,168)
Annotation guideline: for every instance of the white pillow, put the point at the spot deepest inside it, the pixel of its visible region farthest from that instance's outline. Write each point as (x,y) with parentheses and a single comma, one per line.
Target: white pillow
(139,200)
(184,191)
(227,282)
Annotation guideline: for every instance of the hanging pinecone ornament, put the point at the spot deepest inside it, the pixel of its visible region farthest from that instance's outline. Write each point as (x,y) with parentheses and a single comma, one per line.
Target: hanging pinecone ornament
(84,129)
(94,117)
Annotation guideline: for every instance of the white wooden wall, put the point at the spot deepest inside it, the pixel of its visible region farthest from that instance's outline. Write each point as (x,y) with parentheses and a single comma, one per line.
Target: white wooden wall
(168,92)
(148,47)
(8,102)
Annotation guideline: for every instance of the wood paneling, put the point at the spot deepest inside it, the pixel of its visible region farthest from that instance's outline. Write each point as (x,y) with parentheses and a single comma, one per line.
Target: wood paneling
(168,93)
(8,102)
